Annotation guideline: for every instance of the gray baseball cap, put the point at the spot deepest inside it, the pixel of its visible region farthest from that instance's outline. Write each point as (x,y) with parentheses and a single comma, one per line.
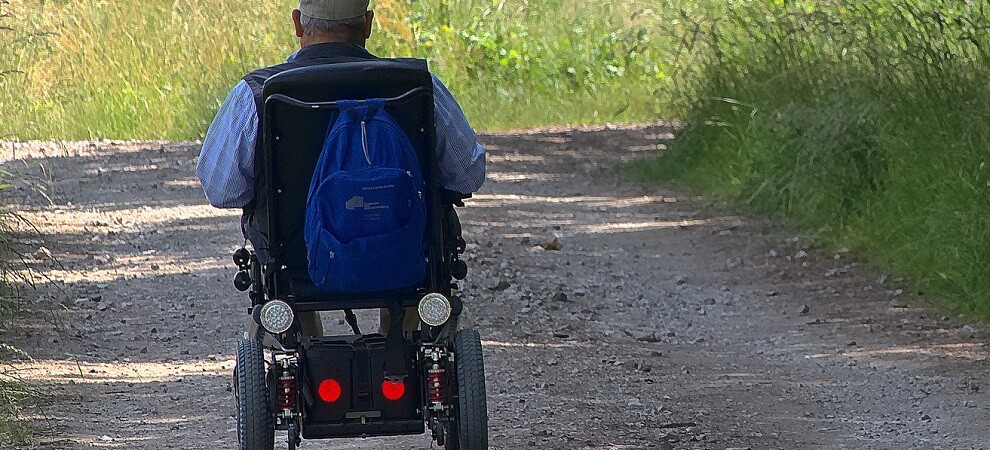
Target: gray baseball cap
(334,9)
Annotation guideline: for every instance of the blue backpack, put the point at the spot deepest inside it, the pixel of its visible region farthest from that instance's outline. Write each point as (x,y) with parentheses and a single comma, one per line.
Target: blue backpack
(366,211)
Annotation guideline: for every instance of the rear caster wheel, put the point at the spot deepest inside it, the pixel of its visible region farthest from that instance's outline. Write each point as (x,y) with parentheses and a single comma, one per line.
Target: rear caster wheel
(294,440)
(469,428)
(255,422)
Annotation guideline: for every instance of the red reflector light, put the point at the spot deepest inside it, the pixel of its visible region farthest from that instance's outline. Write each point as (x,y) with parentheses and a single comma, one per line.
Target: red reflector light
(393,390)
(329,390)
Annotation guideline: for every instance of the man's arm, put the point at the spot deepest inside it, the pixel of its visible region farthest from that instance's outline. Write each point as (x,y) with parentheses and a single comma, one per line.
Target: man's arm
(462,159)
(226,163)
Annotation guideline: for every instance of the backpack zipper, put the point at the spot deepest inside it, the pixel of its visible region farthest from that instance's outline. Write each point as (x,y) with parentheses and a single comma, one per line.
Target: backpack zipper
(364,141)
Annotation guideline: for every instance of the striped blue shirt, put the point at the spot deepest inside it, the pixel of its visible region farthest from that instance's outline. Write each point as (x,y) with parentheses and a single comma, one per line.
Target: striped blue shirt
(226,163)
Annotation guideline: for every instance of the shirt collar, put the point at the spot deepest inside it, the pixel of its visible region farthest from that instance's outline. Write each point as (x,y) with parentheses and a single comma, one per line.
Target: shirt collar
(329,50)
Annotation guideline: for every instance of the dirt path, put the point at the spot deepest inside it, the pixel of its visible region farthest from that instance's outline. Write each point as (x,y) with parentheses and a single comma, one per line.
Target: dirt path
(660,323)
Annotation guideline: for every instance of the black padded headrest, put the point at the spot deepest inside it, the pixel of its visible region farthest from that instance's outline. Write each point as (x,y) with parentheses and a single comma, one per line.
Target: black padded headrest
(355,79)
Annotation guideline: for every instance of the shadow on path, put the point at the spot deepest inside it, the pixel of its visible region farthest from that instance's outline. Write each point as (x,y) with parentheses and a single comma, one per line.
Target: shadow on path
(661,322)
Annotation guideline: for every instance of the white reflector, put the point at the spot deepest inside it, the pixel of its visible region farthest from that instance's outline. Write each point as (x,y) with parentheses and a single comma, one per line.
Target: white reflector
(277,316)
(434,309)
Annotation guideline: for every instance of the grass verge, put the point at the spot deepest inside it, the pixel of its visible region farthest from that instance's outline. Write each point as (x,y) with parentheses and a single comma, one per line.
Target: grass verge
(863,123)
(159,69)
(12,393)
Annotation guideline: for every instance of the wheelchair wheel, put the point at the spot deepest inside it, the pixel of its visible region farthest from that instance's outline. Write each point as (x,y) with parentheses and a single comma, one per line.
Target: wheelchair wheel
(255,422)
(469,429)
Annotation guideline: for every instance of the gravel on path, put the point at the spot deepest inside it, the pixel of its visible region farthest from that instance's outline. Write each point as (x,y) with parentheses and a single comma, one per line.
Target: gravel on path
(615,315)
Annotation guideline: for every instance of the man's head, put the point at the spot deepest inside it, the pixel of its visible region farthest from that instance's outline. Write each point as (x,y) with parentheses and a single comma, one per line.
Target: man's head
(320,21)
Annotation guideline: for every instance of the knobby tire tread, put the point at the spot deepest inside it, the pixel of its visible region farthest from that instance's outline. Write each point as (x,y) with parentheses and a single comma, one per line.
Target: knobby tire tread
(472,411)
(255,423)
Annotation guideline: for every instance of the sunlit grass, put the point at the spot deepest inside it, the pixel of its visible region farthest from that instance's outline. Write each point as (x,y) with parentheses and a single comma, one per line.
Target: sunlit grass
(159,69)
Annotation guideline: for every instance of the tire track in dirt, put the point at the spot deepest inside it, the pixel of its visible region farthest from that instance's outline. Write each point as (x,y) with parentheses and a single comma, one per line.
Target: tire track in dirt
(659,321)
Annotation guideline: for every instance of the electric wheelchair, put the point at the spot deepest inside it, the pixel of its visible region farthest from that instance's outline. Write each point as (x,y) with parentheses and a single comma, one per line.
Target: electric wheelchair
(400,382)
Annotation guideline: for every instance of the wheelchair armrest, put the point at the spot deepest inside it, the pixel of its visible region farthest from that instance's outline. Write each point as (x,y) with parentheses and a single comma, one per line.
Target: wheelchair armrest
(454,198)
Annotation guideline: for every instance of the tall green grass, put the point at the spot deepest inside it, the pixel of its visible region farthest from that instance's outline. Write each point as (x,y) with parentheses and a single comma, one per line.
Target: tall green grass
(159,69)
(13,431)
(12,394)
(865,122)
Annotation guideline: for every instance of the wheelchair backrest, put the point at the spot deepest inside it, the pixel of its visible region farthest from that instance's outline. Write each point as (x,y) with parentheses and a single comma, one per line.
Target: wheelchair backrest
(298,108)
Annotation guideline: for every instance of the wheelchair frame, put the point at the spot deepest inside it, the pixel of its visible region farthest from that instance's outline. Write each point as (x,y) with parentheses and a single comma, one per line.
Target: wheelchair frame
(440,369)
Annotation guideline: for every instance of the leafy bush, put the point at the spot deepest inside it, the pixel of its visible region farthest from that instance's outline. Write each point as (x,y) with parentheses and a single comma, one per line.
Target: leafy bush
(863,121)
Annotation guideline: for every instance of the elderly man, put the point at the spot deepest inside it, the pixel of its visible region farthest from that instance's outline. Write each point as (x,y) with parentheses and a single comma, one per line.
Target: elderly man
(328,31)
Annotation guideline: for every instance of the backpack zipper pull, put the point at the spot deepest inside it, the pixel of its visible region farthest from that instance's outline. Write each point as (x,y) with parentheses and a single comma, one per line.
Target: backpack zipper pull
(364,141)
